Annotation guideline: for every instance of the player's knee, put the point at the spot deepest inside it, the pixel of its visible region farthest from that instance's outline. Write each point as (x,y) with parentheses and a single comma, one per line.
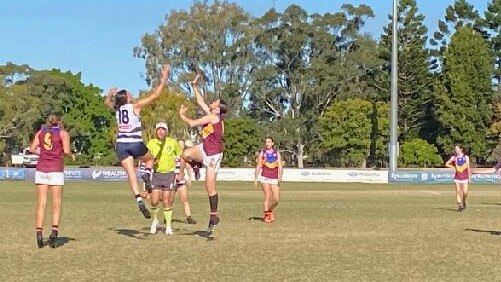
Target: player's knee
(186,155)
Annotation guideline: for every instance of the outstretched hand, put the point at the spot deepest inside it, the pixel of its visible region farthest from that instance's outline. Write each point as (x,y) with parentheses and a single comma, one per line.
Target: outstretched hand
(164,74)
(194,82)
(112,91)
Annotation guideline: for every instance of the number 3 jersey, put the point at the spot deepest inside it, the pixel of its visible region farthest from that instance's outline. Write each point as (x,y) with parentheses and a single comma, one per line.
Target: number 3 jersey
(129,125)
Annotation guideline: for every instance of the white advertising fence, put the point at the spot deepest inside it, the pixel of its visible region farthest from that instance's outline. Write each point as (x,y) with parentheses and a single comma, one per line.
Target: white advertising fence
(309,175)
(225,174)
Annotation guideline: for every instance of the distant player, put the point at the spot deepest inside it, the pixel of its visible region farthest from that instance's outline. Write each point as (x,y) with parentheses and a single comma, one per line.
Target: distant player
(269,165)
(460,162)
(51,143)
(210,152)
(166,150)
(183,185)
(130,143)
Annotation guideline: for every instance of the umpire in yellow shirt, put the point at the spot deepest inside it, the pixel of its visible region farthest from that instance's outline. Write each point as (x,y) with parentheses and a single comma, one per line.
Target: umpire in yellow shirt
(165,150)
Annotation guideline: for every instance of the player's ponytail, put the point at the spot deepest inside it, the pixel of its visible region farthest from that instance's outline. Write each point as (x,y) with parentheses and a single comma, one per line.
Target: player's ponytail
(121,98)
(54,120)
(223,107)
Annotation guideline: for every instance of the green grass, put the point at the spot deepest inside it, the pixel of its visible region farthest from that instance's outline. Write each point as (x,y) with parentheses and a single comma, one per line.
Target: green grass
(323,232)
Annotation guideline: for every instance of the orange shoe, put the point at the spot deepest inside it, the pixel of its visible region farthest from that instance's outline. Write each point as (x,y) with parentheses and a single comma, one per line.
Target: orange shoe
(267,218)
(271,217)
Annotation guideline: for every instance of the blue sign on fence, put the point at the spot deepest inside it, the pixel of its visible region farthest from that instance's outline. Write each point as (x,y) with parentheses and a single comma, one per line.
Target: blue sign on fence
(431,177)
(73,174)
(13,173)
(109,174)
(407,176)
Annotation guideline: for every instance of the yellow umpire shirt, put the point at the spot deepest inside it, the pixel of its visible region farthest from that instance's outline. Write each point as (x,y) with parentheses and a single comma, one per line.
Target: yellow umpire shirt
(165,153)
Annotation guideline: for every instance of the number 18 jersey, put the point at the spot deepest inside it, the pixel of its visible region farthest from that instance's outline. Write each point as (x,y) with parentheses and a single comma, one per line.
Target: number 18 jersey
(129,125)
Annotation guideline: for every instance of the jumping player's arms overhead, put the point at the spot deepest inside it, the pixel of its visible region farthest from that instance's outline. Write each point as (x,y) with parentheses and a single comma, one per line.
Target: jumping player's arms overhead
(107,100)
(164,75)
(210,118)
(198,95)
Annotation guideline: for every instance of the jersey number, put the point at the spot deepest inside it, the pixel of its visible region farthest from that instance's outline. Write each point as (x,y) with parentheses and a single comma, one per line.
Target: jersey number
(123,116)
(47,141)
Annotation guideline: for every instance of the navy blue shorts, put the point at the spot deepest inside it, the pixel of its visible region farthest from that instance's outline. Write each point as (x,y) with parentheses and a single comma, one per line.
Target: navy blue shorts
(136,150)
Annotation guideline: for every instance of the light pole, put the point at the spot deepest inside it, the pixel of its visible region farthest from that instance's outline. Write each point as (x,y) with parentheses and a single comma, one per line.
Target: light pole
(394,92)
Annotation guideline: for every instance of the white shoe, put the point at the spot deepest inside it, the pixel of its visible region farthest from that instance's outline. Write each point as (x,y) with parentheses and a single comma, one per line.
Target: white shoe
(168,230)
(153,228)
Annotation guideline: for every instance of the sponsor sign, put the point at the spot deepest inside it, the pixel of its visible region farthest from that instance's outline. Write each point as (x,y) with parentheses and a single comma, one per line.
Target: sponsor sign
(73,174)
(13,173)
(437,176)
(108,174)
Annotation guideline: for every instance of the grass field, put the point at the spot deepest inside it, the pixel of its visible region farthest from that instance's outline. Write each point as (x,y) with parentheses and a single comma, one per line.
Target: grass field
(323,232)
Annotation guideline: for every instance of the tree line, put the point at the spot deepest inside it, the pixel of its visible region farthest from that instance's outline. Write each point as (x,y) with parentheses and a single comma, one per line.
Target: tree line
(317,83)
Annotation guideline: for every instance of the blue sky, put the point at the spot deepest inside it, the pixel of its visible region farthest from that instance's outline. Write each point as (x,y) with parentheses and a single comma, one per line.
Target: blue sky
(96,37)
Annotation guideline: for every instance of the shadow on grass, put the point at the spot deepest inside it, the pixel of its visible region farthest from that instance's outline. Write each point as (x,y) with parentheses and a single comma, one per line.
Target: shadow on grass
(132,233)
(491,232)
(60,241)
(447,209)
(181,221)
(256,218)
(200,234)
(492,204)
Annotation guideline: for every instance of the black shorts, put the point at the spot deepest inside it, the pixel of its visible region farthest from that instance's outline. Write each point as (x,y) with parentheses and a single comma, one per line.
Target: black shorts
(164,181)
(135,150)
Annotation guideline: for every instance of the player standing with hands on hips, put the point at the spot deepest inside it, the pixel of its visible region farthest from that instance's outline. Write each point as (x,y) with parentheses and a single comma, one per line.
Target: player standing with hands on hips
(460,162)
(269,164)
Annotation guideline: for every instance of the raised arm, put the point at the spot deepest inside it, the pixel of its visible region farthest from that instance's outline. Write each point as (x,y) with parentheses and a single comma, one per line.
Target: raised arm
(107,100)
(198,95)
(196,122)
(164,75)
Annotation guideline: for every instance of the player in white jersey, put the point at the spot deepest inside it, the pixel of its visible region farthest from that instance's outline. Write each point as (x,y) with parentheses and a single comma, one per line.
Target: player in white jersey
(130,143)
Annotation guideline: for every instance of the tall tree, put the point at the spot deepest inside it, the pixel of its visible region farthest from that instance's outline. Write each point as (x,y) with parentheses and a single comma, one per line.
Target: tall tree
(242,140)
(460,14)
(27,102)
(493,25)
(304,63)
(215,38)
(414,64)
(353,129)
(464,94)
